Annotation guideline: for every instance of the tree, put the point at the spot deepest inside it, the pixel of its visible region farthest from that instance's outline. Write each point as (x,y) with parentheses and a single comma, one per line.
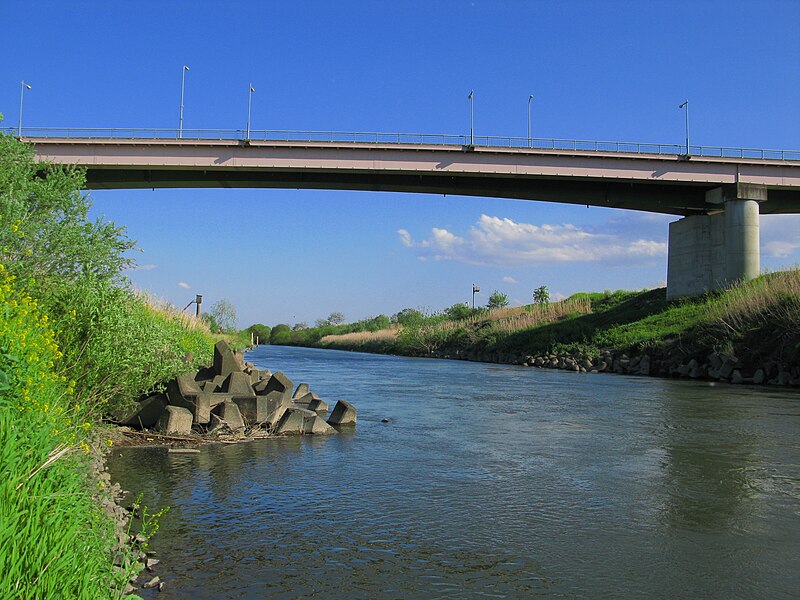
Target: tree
(321,323)
(336,318)
(224,314)
(408,317)
(260,331)
(45,231)
(541,295)
(458,311)
(278,332)
(209,320)
(497,300)
(300,326)
(376,323)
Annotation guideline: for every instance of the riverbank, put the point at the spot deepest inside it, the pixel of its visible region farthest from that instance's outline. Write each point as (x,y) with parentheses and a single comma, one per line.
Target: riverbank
(749,333)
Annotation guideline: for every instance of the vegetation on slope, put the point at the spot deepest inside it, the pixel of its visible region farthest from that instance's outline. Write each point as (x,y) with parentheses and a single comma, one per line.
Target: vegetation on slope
(756,319)
(75,343)
(55,541)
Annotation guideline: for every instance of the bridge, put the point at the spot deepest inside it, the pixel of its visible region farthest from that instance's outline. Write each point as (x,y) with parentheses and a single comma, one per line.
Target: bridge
(719,192)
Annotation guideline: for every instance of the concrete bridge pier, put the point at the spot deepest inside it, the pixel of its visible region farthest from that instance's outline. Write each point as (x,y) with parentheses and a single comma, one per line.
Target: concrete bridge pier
(711,251)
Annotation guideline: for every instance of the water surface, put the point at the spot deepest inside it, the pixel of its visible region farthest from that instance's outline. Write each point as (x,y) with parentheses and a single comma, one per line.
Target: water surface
(489,481)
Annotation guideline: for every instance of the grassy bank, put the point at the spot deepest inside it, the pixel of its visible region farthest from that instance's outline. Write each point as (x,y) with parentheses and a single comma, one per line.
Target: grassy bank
(76,343)
(758,320)
(56,541)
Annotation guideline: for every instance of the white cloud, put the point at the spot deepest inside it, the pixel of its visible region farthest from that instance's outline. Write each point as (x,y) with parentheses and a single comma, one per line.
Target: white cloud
(405,237)
(780,249)
(509,279)
(144,267)
(780,235)
(184,285)
(503,242)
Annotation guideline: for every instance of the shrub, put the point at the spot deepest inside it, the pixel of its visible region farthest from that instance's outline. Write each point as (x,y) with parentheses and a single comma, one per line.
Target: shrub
(120,345)
(458,311)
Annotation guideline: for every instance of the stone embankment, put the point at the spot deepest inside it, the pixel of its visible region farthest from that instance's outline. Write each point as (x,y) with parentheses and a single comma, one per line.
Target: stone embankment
(716,366)
(233,399)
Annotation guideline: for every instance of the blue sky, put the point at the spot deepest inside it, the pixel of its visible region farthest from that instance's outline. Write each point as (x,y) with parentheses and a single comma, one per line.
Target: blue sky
(597,70)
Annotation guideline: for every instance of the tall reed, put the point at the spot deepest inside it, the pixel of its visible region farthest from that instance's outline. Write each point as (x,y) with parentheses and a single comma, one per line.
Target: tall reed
(771,299)
(361,338)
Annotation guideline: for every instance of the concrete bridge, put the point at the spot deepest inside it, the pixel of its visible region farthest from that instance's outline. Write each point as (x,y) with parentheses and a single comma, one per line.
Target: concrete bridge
(719,192)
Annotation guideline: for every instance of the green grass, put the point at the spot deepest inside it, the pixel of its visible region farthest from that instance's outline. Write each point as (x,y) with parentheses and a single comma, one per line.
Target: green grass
(55,541)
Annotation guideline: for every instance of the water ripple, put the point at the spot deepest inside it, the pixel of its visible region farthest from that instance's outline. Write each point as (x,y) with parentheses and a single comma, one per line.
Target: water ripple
(489,482)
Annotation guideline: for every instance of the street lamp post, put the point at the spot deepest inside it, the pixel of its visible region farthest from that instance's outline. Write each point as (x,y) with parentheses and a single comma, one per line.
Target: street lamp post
(249,98)
(471,98)
(183,81)
(475,290)
(685,105)
(529,119)
(22,87)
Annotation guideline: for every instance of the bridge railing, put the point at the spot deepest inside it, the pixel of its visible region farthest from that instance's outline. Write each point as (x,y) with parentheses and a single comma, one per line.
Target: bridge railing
(403,138)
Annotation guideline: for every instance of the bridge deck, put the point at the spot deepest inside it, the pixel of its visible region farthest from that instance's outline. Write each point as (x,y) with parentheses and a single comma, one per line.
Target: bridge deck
(664,183)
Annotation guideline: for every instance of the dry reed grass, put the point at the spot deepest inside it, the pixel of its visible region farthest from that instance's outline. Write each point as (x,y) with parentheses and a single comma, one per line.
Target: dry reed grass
(540,314)
(516,318)
(169,311)
(360,338)
(772,298)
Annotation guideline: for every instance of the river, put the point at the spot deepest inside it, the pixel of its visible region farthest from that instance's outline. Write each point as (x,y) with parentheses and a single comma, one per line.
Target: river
(491,481)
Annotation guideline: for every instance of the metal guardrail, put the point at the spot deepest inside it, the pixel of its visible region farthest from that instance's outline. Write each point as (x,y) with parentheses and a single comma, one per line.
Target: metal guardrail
(405,138)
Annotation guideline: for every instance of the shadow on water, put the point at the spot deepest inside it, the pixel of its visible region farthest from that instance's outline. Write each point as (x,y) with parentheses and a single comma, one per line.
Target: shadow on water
(709,458)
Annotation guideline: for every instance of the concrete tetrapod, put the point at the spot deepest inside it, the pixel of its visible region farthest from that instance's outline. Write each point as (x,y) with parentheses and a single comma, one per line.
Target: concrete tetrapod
(238,397)
(229,413)
(148,412)
(301,421)
(175,419)
(343,413)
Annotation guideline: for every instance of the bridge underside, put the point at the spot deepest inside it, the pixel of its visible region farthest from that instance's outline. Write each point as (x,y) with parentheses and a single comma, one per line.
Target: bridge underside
(713,246)
(674,199)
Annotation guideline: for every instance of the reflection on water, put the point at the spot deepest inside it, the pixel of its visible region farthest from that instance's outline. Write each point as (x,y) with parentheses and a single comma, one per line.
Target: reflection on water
(490,481)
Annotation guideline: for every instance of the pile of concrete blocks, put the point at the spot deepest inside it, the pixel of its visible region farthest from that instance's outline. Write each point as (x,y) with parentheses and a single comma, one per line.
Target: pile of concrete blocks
(234,397)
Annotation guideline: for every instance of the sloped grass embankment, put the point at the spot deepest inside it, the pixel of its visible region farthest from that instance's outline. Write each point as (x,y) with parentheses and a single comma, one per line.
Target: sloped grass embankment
(757,321)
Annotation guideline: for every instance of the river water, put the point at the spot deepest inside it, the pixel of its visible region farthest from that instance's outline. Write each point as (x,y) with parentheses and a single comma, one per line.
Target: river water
(489,481)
